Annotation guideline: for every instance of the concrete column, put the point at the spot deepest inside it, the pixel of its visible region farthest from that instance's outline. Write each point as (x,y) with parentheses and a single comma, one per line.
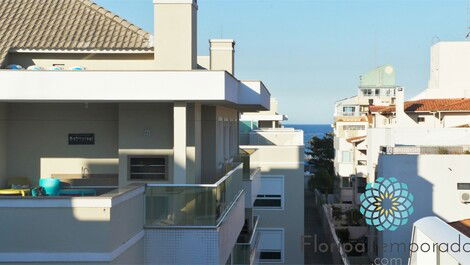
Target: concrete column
(179,143)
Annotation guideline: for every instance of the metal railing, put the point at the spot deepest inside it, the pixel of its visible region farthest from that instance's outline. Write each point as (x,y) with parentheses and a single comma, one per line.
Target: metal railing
(425,150)
(192,205)
(246,252)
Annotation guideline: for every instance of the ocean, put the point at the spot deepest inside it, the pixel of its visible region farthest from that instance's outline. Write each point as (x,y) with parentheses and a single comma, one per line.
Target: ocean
(311,130)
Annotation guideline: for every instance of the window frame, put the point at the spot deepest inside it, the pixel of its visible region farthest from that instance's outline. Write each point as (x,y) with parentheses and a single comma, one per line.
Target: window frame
(282,250)
(129,167)
(282,196)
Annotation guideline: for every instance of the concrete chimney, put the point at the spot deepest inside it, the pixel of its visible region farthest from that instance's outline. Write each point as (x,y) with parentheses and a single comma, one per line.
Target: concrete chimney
(175,34)
(402,119)
(222,55)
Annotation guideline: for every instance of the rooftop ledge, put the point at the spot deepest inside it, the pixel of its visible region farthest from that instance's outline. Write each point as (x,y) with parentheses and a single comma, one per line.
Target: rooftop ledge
(133,86)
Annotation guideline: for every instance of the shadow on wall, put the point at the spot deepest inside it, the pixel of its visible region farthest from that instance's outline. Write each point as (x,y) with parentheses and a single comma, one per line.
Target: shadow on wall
(58,228)
(405,169)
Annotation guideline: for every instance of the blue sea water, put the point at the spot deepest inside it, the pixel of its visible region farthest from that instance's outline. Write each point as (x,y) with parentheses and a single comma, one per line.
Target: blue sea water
(311,130)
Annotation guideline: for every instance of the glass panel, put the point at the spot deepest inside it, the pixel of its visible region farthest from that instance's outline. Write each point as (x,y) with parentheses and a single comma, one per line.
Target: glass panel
(191,205)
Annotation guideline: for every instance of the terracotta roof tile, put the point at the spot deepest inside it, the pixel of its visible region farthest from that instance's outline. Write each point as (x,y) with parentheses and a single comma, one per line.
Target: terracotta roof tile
(462,226)
(65,24)
(356,139)
(428,105)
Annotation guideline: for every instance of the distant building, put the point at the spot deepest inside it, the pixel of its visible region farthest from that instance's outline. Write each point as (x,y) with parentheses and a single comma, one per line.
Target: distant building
(279,154)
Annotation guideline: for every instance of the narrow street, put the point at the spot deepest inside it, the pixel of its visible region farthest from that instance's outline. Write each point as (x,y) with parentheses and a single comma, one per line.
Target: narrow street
(314,230)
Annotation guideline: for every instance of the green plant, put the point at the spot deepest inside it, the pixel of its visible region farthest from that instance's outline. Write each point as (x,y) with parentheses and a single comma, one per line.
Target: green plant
(321,153)
(442,151)
(354,217)
(336,212)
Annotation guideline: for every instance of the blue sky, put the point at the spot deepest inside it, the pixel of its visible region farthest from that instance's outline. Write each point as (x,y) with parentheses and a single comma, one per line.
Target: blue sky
(310,53)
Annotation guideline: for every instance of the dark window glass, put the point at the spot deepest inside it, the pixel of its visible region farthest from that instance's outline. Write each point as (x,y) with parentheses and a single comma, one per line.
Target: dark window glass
(270,255)
(267,203)
(147,168)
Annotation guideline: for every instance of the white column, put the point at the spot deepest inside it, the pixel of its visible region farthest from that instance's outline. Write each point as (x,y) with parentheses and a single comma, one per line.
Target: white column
(179,142)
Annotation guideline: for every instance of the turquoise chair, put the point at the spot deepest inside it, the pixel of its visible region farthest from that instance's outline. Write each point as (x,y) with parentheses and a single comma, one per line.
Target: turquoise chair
(51,186)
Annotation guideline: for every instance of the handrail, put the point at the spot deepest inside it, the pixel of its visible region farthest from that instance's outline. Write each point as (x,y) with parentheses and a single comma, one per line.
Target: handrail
(215,185)
(254,172)
(253,234)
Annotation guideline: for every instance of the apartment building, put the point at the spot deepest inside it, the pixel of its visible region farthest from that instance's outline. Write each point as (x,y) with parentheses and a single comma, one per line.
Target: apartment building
(134,138)
(422,143)
(279,154)
(437,178)
(351,121)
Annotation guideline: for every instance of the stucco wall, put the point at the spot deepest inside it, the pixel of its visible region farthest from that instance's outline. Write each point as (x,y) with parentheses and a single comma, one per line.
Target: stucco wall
(72,229)
(432,179)
(39,131)
(288,162)
(145,129)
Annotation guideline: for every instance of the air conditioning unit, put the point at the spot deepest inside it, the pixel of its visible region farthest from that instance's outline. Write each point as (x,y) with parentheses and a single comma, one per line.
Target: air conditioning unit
(465,196)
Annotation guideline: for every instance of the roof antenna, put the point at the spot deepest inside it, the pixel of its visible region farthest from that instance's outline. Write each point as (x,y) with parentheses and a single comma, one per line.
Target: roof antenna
(468,20)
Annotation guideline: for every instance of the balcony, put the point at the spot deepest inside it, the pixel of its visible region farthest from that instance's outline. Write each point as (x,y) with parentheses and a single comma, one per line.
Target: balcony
(73,229)
(194,223)
(245,251)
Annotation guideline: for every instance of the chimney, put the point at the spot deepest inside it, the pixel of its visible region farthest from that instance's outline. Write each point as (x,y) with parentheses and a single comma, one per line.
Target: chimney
(401,116)
(222,55)
(175,34)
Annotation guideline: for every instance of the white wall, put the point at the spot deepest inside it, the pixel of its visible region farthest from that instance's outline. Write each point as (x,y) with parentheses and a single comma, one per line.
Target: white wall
(40,131)
(284,161)
(432,179)
(449,76)
(377,137)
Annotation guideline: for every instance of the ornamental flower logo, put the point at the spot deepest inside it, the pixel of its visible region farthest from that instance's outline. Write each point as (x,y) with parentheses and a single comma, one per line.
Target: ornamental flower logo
(386,204)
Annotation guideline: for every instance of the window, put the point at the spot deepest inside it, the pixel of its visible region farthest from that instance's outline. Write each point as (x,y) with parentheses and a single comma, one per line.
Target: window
(367,92)
(346,157)
(271,194)
(148,168)
(354,127)
(271,245)
(362,162)
(349,111)
(346,182)
(421,119)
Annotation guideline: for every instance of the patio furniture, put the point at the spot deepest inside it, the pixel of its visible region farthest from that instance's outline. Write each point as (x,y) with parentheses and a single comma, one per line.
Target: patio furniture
(19,192)
(77,192)
(51,186)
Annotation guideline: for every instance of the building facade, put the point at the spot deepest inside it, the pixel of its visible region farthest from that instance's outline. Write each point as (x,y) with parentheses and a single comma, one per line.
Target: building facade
(279,154)
(133,137)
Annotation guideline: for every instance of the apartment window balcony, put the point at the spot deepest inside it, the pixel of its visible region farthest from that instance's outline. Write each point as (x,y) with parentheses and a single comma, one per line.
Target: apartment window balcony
(192,204)
(245,251)
(194,223)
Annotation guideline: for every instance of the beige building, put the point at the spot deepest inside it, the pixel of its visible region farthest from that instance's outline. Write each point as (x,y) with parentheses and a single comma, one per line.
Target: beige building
(279,153)
(139,124)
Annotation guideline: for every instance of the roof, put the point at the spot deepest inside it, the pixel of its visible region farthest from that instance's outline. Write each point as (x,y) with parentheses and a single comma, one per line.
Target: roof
(71,24)
(383,76)
(428,105)
(356,139)
(462,226)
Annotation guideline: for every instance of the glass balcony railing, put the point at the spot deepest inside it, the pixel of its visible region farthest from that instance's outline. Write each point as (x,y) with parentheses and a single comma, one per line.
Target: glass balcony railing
(245,250)
(192,204)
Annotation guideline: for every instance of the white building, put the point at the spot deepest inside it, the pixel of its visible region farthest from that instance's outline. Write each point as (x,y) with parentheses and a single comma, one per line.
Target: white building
(279,153)
(351,121)
(140,124)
